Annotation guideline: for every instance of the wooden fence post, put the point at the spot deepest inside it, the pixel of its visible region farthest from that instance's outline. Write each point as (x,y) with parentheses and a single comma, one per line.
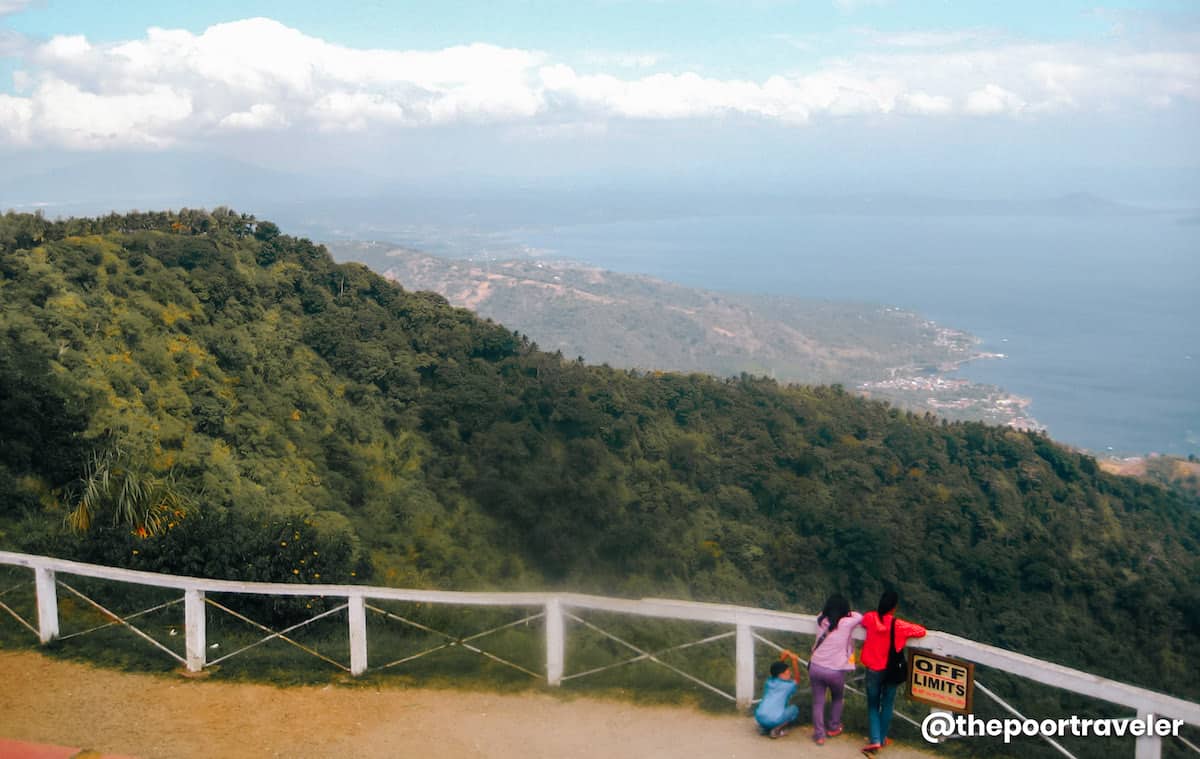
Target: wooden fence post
(194,628)
(744,689)
(358,634)
(1146,746)
(555,642)
(47,603)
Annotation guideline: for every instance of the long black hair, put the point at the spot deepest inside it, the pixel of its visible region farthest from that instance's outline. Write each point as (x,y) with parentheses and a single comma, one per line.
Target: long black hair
(887,602)
(835,609)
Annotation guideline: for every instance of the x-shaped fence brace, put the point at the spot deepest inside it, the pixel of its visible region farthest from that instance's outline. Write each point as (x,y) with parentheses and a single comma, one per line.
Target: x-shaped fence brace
(281,634)
(452,640)
(643,655)
(1013,711)
(116,619)
(1020,716)
(14,614)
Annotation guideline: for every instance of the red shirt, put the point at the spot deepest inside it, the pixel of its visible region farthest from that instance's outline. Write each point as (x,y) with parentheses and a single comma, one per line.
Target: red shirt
(874,650)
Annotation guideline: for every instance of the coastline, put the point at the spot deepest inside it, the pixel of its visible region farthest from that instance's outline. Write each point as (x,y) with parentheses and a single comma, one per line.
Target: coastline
(936,389)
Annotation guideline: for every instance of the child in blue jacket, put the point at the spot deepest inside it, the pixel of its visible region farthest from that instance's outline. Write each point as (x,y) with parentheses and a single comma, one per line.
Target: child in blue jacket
(774,714)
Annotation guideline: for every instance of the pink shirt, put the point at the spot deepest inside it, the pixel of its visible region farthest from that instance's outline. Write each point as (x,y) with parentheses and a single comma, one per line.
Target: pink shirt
(834,652)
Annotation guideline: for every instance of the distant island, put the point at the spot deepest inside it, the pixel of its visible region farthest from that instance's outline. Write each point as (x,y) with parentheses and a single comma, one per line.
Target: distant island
(631,321)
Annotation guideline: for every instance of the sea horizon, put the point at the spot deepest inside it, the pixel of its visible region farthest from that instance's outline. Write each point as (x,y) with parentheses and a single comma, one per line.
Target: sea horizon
(1095,316)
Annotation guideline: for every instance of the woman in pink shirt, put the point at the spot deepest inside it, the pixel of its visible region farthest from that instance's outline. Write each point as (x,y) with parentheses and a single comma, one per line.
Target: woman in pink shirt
(829,664)
(881,626)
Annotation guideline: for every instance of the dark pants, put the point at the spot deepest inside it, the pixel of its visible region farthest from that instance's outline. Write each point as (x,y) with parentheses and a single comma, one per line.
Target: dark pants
(881,697)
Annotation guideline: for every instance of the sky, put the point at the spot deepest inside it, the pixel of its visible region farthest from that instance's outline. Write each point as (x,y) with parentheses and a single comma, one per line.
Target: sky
(934,97)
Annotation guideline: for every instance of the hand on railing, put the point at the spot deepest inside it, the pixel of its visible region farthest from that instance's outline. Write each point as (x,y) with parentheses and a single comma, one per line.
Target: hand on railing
(794,658)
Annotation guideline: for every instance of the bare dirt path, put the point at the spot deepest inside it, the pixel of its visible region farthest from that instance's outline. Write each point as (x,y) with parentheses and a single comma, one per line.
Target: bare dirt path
(54,701)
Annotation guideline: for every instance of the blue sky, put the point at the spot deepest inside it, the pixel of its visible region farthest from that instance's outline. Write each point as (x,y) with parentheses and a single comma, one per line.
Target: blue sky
(1069,96)
(527,23)
(743,37)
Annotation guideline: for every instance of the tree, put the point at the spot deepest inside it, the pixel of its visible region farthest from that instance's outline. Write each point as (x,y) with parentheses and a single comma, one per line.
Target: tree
(128,494)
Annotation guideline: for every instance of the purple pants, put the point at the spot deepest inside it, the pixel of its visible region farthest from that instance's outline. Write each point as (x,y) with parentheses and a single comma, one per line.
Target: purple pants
(834,681)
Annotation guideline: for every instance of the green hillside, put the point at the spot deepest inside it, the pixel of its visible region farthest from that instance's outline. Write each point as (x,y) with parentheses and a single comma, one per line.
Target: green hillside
(261,391)
(633,321)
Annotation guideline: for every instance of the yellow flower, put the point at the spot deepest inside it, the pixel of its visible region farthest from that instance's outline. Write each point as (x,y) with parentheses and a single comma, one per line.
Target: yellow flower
(283,543)
(295,571)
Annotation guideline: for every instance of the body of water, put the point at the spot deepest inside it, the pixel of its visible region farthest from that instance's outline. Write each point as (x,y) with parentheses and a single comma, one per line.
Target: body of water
(1099,318)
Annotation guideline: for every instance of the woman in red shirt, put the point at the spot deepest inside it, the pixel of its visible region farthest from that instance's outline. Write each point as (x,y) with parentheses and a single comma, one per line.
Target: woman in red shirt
(881,695)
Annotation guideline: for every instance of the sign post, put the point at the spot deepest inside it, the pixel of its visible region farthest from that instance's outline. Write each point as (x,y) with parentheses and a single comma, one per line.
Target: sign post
(941,681)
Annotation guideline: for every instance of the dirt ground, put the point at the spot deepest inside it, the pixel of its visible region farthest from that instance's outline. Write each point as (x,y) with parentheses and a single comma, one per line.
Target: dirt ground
(66,703)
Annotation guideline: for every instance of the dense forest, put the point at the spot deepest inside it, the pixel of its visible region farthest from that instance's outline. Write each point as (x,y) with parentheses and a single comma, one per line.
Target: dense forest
(186,392)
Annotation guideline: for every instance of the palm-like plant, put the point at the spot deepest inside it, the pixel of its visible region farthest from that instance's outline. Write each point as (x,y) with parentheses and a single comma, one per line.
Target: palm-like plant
(128,494)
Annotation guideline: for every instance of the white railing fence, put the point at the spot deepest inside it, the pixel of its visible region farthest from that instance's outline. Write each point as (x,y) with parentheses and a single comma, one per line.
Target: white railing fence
(554,610)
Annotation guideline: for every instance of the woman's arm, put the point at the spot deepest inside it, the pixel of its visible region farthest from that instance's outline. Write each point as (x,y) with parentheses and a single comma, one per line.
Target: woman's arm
(909,629)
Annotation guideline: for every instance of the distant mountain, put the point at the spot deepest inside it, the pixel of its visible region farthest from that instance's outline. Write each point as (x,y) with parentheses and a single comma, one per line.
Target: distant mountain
(515,208)
(640,322)
(1073,204)
(338,204)
(122,181)
(632,321)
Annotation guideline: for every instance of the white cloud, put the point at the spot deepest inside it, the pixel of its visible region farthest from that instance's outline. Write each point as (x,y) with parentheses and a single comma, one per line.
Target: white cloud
(81,119)
(259,116)
(992,100)
(174,86)
(67,48)
(8,7)
(926,104)
(16,116)
(355,111)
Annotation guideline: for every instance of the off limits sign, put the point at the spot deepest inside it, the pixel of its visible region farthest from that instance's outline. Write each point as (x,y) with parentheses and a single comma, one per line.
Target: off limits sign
(939,681)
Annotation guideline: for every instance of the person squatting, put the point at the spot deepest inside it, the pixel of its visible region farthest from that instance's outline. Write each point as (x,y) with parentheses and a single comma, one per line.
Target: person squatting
(830,661)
